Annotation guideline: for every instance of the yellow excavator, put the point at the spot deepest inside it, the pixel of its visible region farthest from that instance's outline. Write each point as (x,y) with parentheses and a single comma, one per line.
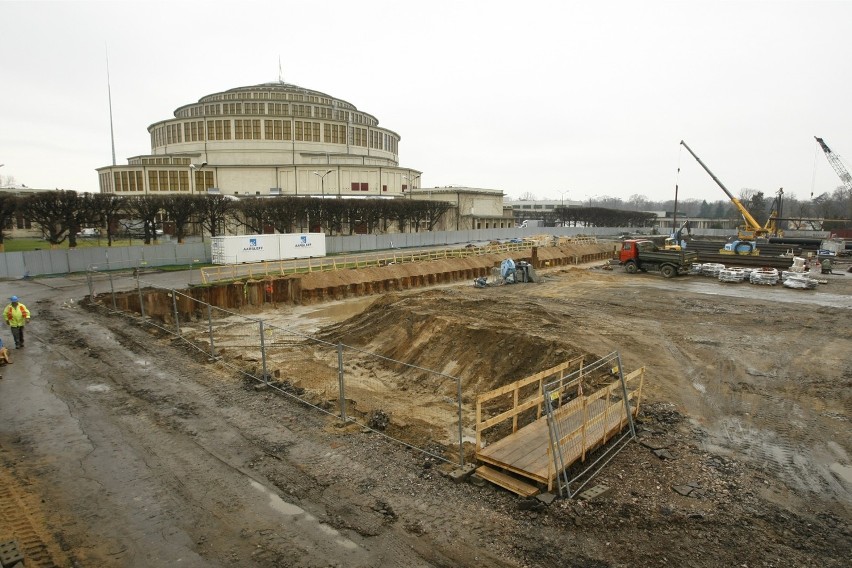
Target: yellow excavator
(674,242)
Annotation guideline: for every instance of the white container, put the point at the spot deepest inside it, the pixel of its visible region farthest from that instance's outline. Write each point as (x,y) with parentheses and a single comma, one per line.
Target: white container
(239,249)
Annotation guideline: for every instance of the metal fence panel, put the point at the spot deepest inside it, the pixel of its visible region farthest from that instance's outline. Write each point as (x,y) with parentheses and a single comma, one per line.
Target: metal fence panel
(580,423)
(13,265)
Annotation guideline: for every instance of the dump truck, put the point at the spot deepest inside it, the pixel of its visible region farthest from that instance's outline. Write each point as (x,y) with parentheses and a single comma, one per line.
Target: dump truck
(644,255)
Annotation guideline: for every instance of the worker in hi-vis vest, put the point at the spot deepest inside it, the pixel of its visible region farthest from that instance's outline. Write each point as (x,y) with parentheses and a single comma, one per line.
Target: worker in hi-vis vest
(16,315)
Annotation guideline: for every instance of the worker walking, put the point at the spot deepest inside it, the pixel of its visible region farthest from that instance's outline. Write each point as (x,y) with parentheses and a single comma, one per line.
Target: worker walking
(16,315)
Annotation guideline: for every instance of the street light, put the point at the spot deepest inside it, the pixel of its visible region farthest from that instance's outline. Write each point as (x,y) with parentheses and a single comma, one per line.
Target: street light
(192,168)
(412,180)
(322,180)
(562,206)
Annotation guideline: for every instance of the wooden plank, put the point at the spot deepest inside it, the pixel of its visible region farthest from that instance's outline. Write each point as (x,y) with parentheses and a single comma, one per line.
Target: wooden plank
(478,445)
(507,414)
(527,381)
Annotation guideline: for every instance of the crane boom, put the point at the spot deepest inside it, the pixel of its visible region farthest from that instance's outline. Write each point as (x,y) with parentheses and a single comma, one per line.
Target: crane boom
(752,229)
(835,162)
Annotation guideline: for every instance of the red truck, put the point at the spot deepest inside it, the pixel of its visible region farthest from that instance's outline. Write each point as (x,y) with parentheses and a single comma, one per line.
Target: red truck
(644,255)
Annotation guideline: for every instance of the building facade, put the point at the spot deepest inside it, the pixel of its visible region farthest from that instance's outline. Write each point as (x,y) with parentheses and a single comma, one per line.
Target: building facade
(470,208)
(268,139)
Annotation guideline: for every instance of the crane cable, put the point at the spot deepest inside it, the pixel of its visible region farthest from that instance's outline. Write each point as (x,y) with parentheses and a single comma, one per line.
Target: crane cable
(677,183)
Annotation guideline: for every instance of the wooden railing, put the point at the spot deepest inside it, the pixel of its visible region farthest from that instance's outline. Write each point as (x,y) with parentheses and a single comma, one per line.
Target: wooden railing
(557,373)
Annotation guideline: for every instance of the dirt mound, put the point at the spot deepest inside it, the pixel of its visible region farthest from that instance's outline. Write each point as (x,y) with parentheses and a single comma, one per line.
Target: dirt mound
(468,337)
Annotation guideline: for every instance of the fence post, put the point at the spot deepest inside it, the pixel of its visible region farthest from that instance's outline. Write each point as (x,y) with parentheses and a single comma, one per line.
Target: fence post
(461,440)
(210,329)
(626,398)
(177,318)
(112,289)
(263,353)
(340,382)
(139,290)
(91,286)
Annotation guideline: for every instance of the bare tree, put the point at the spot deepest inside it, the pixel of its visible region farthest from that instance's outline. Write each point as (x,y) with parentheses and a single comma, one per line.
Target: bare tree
(180,209)
(107,207)
(47,210)
(255,214)
(286,213)
(147,208)
(215,212)
(80,211)
(8,208)
(435,210)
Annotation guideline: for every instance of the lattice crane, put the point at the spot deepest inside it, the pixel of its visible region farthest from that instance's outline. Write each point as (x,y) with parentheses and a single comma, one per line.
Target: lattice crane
(835,162)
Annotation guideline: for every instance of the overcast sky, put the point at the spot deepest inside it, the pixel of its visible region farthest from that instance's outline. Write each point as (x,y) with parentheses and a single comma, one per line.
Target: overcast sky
(590,98)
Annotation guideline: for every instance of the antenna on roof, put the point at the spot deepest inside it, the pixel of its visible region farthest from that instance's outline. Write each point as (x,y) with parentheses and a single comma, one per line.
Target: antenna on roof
(109,96)
(280,73)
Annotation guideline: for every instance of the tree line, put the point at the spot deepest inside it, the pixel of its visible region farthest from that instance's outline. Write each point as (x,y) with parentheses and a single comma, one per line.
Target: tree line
(835,205)
(62,214)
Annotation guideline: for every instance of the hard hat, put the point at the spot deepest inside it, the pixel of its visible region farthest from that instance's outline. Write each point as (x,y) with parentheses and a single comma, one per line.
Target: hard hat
(13,299)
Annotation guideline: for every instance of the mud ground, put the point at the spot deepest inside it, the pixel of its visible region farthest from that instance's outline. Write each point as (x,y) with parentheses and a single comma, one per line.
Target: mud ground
(120,447)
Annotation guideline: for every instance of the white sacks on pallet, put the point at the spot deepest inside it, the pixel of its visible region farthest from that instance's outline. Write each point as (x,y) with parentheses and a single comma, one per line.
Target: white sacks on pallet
(712,269)
(800,282)
(732,275)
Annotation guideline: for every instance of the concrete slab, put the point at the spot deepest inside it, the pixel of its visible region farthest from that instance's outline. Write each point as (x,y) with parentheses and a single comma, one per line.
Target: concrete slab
(462,473)
(9,553)
(664,454)
(655,444)
(595,492)
(546,498)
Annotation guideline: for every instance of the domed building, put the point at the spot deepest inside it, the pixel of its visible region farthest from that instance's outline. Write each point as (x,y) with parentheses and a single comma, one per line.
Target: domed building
(268,139)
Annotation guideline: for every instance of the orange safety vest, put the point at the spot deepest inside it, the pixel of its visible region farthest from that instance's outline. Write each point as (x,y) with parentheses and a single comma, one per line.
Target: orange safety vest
(16,317)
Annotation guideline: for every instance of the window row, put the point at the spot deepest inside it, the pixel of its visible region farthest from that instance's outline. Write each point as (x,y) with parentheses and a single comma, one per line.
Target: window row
(252,128)
(158,180)
(364,186)
(276,109)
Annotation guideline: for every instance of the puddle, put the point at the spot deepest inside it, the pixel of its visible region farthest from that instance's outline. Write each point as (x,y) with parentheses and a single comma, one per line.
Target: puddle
(283,507)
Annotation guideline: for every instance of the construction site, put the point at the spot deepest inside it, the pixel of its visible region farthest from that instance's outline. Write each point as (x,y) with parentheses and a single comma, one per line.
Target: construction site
(441,411)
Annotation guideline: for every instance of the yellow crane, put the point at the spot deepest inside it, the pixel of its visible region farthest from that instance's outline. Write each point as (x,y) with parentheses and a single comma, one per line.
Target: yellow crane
(751,229)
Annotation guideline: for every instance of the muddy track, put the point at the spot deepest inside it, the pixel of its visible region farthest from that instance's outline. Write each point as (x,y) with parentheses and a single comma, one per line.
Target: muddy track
(198,425)
(134,450)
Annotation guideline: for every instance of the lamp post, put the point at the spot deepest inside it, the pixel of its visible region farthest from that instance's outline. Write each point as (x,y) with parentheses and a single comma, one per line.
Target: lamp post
(562,206)
(322,180)
(412,180)
(192,169)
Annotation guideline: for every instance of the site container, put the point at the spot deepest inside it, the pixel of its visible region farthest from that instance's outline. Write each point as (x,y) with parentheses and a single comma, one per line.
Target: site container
(240,249)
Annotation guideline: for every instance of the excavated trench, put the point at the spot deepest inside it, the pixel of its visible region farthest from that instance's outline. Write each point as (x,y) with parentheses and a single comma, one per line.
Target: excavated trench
(254,295)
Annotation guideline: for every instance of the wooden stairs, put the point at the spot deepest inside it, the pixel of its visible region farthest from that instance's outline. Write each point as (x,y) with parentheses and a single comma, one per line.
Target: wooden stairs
(507,481)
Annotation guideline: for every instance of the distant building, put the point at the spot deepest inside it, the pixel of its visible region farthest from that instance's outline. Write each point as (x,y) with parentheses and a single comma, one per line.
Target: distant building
(268,139)
(20,226)
(472,208)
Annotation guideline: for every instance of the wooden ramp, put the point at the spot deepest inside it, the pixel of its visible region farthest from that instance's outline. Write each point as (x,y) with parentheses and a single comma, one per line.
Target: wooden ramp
(524,458)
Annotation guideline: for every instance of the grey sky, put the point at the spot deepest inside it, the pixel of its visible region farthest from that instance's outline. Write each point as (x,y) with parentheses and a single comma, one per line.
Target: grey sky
(586,97)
